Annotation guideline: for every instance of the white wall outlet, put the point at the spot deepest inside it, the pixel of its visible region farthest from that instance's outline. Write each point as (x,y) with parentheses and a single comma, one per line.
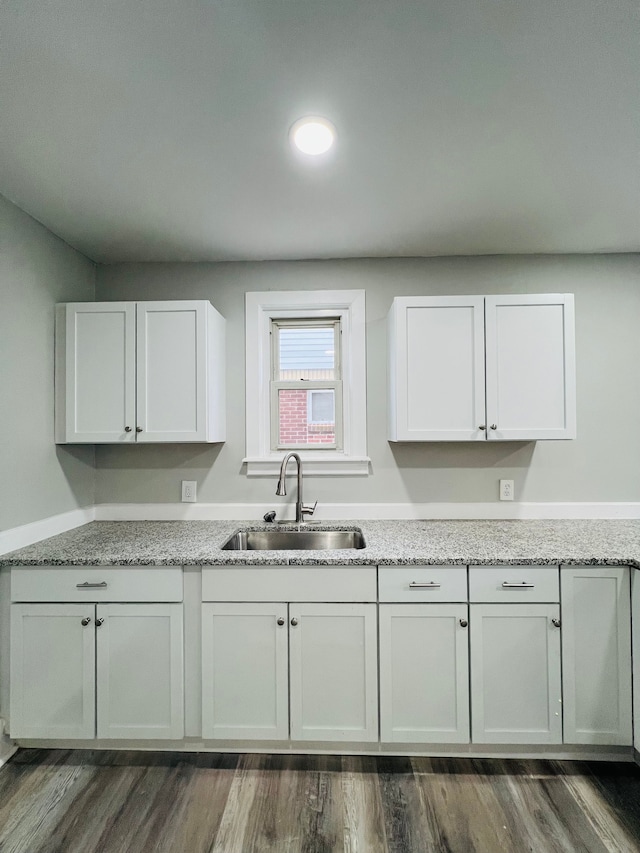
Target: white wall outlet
(506,490)
(189,488)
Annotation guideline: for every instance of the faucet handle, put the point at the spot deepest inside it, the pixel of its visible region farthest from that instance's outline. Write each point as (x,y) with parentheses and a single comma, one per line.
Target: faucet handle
(308,510)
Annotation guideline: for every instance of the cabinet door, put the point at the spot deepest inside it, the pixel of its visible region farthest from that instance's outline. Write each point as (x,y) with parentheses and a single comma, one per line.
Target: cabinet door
(140,679)
(530,346)
(436,376)
(172,371)
(245,671)
(515,674)
(52,671)
(95,374)
(596,655)
(333,672)
(635,654)
(424,673)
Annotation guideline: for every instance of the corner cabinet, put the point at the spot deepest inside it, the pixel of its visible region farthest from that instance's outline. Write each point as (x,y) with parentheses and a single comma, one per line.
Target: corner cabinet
(130,372)
(478,368)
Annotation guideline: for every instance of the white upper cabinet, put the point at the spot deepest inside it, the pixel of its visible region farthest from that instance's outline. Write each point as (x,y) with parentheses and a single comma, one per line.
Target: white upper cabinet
(530,351)
(95,372)
(139,372)
(477,368)
(436,378)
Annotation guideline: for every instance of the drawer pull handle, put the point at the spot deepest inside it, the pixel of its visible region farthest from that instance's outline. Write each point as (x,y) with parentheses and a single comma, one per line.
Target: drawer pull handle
(426,585)
(87,585)
(522,585)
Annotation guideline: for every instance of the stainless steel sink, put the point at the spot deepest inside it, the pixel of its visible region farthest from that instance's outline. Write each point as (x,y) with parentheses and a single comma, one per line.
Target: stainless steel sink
(294,540)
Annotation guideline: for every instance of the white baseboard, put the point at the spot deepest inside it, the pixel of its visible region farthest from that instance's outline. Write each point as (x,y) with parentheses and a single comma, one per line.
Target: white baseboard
(337,512)
(27,534)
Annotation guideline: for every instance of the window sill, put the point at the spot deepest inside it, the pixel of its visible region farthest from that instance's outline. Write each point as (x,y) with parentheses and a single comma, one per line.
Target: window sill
(316,464)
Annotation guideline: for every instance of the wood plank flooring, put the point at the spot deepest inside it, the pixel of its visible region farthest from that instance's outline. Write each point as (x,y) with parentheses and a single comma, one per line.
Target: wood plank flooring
(62,801)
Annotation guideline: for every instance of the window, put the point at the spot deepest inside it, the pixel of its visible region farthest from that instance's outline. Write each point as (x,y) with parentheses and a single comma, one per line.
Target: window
(306,381)
(306,384)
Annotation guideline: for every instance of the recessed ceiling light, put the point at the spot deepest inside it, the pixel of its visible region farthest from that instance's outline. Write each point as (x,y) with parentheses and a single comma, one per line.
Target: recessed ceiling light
(312,135)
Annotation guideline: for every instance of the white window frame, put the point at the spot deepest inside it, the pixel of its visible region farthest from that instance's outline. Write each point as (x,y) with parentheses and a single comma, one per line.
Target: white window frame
(261,309)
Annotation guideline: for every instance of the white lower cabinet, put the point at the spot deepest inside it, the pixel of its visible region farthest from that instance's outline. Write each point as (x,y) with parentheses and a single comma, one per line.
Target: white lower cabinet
(320,657)
(245,689)
(518,655)
(139,671)
(333,672)
(52,671)
(81,670)
(596,655)
(424,673)
(516,688)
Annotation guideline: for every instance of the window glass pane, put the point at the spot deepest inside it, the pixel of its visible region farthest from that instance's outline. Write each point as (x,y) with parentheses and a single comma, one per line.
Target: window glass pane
(321,409)
(297,410)
(306,353)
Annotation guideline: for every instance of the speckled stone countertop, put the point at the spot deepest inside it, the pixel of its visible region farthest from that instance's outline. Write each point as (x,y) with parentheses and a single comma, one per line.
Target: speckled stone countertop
(143,543)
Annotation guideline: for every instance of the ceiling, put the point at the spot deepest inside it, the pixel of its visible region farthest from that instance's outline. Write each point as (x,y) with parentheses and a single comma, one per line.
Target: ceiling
(156,130)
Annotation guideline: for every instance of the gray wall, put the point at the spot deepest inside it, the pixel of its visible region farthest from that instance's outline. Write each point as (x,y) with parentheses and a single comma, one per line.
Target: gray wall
(601,465)
(36,270)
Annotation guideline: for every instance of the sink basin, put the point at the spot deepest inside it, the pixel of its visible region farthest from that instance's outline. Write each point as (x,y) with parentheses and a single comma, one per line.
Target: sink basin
(294,540)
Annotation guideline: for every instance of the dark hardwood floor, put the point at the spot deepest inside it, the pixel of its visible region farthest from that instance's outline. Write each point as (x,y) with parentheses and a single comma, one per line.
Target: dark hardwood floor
(61,801)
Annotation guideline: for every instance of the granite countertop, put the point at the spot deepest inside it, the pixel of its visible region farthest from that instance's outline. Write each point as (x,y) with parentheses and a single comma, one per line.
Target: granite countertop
(133,543)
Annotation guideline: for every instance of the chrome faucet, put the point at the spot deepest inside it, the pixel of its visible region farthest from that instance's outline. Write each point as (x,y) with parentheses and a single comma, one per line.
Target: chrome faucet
(281,489)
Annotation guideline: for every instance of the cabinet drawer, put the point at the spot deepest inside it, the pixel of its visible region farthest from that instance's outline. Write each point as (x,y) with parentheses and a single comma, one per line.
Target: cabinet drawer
(511,584)
(289,583)
(96,583)
(422,583)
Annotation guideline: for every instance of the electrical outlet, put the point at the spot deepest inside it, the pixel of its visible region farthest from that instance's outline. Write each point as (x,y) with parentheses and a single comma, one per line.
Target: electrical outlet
(189,491)
(506,490)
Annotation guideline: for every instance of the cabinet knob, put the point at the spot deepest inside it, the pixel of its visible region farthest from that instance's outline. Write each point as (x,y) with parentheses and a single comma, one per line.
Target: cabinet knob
(127,429)
(294,621)
(99,622)
(86,620)
(556,622)
(494,426)
(138,429)
(463,623)
(280,620)
(482,426)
